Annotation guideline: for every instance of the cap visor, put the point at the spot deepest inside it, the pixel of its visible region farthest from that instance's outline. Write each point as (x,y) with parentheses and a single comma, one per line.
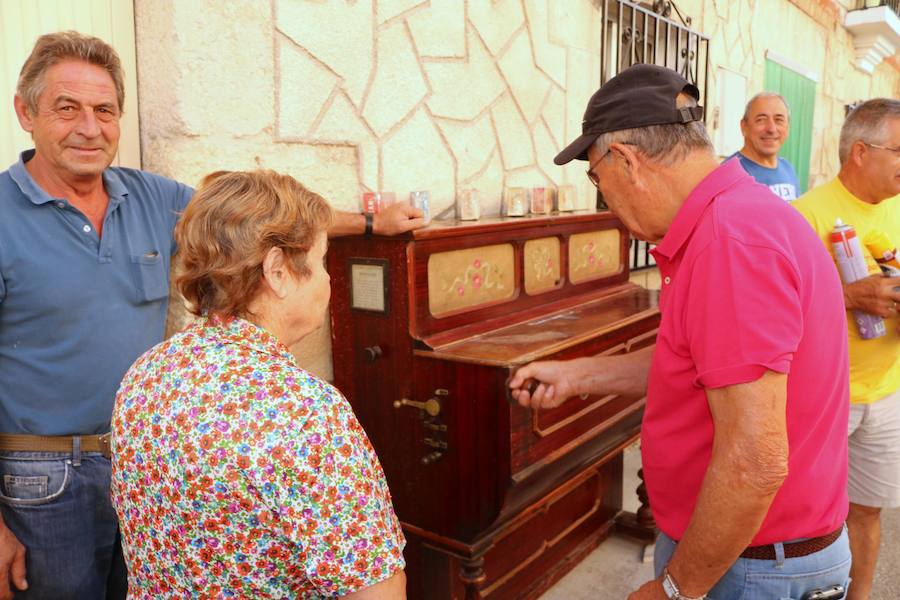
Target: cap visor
(577,149)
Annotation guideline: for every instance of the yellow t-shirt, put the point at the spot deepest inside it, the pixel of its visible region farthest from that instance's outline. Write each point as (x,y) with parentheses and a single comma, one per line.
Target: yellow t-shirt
(874,364)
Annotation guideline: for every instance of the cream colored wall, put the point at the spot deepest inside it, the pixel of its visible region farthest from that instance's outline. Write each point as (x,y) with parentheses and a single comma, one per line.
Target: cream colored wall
(350,96)
(398,95)
(22,22)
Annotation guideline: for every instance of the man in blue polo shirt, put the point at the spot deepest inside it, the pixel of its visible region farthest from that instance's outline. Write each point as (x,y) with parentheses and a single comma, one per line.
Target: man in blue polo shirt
(765,126)
(84,261)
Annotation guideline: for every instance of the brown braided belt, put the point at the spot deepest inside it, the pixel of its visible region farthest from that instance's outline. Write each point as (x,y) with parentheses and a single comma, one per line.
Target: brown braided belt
(794,549)
(15,442)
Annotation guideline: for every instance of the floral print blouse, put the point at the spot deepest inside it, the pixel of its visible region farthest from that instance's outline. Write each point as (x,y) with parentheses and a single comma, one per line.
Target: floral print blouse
(236,474)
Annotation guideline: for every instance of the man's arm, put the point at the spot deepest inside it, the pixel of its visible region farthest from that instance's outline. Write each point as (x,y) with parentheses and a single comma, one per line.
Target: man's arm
(547,384)
(392,588)
(398,217)
(748,466)
(12,563)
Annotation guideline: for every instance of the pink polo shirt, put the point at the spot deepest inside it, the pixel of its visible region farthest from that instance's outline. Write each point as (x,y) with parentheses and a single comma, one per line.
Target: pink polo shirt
(747,287)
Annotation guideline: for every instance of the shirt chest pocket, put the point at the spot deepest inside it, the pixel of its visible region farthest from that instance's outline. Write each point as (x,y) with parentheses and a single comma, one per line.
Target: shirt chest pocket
(150,276)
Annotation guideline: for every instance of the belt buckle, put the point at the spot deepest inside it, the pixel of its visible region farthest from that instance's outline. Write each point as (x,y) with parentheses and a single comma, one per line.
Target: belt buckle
(105,442)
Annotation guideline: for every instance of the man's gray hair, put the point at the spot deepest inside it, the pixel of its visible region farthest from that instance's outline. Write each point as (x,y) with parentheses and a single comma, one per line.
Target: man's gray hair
(665,144)
(750,102)
(867,123)
(54,48)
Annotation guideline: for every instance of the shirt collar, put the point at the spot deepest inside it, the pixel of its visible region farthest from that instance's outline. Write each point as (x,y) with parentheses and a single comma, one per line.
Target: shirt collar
(234,330)
(112,183)
(684,223)
(114,186)
(862,205)
(744,157)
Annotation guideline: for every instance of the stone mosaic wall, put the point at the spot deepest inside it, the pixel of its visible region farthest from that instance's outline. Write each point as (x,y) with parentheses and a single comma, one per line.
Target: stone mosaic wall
(441,95)
(435,95)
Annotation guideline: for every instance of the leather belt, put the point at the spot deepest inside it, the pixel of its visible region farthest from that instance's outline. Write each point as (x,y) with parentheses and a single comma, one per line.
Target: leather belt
(17,442)
(794,549)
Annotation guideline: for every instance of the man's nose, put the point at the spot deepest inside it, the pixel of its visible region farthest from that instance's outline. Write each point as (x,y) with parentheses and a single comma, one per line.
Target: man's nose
(87,124)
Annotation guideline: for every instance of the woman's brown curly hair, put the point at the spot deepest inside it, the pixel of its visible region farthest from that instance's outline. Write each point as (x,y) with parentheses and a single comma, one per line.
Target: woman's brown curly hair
(230,224)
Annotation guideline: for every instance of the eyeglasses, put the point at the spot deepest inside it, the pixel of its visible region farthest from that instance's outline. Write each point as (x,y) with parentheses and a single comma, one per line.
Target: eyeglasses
(590,172)
(894,150)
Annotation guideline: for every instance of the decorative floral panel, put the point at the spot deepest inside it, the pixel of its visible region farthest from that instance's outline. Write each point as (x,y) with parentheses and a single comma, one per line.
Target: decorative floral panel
(542,265)
(471,278)
(594,255)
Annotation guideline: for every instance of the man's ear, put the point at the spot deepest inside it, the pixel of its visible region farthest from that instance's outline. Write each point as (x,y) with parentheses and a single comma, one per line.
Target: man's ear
(275,275)
(631,162)
(23,114)
(744,127)
(857,150)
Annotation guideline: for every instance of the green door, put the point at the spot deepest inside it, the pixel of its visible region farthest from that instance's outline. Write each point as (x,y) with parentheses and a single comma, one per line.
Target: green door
(800,93)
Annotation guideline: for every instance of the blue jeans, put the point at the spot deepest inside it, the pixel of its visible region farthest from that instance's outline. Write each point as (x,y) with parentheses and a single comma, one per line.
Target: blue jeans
(785,579)
(58,505)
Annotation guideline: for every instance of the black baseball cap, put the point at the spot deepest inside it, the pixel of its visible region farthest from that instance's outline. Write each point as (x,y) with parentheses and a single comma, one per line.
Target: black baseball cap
(640,96)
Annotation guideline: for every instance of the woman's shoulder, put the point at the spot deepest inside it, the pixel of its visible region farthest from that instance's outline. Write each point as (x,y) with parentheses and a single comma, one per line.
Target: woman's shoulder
(307,397)
(308,384)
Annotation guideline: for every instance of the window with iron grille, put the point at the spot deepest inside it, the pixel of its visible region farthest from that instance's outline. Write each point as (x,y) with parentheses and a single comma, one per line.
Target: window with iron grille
(648,33)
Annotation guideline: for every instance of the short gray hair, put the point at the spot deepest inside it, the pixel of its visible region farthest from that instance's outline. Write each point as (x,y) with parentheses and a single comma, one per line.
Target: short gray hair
(750,102)
(665,144)
(866,123)
(54,48)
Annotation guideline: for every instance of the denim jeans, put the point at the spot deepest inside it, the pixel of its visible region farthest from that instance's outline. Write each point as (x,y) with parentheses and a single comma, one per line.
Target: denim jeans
(58,505)
(785,579)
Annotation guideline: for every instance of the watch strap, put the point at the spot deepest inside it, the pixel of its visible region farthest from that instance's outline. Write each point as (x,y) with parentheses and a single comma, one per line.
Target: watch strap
(671,590)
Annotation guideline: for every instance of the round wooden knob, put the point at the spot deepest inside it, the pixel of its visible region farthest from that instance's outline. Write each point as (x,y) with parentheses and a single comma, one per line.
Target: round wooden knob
(372,353)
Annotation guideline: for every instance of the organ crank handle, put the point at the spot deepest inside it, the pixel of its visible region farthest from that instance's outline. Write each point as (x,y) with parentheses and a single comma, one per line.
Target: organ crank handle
(530,386)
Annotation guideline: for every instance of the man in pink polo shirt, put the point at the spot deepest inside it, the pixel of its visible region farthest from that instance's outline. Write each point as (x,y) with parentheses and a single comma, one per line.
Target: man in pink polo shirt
(744,439)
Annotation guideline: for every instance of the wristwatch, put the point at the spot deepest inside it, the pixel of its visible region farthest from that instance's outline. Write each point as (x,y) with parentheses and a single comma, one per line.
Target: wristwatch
(670,588)
(370,223)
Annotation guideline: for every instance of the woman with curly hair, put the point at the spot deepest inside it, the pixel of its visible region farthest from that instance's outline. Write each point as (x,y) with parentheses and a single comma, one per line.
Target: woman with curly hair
(235,472)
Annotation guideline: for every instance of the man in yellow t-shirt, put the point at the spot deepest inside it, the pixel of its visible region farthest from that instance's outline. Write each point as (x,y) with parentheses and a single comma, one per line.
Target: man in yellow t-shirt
(866,195)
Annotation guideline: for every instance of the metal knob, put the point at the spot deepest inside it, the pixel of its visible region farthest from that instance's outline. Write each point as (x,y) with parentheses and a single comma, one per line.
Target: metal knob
(372,353)
(431,458)
(430,406)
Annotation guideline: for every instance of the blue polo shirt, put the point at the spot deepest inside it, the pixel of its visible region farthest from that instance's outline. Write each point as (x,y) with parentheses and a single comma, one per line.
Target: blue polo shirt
(77,310)
(782,179)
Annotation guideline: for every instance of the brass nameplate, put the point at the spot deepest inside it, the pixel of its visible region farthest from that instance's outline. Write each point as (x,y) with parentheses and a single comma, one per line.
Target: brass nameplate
(369,285)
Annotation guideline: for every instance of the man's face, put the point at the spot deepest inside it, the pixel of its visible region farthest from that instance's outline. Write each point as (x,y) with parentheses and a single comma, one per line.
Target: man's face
(618,193)
(76,127)
(766,127)
(881,166)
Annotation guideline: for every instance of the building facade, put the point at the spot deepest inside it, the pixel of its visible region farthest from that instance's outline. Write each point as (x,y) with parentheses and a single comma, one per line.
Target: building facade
(352,96)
